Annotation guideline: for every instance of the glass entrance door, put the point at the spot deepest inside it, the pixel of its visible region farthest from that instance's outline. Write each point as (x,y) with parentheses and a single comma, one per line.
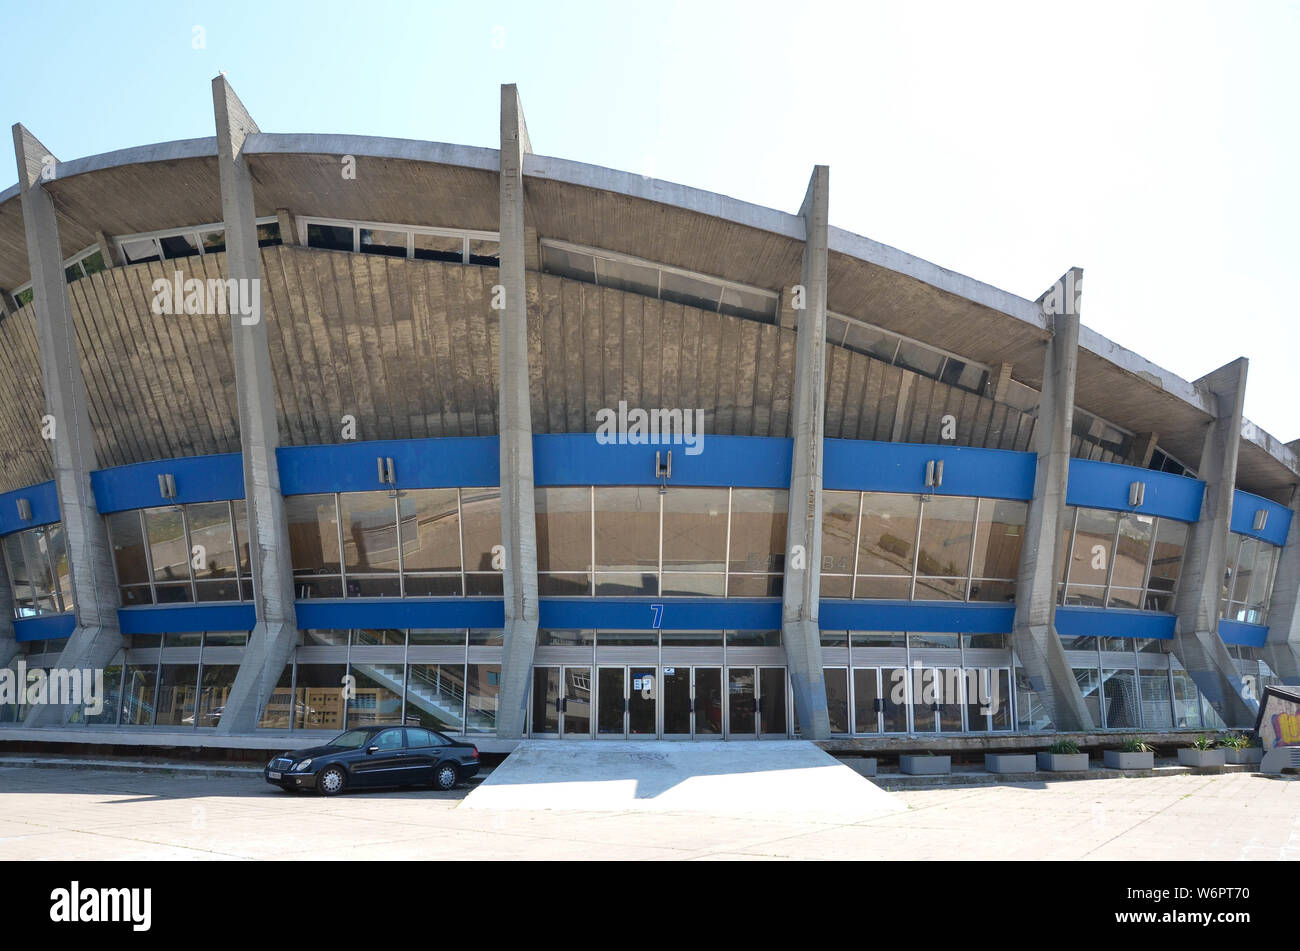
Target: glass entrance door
(708,702)
(546,701)
(643,703)
(611,694)
(772,717)
(742,703)
(675,690)
(575,706)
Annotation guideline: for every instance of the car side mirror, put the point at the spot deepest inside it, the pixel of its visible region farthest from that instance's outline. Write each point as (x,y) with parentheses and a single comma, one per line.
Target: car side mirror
(371,749)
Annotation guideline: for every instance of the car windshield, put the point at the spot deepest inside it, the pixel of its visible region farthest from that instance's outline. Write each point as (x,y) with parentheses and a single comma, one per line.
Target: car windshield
(351,740)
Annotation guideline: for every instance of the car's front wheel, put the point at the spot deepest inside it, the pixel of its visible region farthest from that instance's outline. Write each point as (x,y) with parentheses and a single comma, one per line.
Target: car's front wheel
(331,781)
(446,776)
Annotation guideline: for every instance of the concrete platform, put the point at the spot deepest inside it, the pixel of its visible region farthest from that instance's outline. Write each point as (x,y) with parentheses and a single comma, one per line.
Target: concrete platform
(770,778)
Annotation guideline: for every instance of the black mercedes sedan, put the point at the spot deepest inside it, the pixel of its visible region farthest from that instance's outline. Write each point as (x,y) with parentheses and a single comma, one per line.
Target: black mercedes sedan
(376,756)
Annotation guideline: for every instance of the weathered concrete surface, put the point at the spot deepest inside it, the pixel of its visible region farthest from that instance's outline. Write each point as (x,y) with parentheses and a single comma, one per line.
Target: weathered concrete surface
(1282,650)
(781,777)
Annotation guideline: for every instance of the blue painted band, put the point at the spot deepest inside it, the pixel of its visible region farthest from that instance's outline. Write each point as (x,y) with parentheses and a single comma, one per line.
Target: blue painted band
(1075,621)
(677,614)
(578,459)
(186,618)
(198,479)
(44,500)
(400,613)
(1105,485)
(921,616)
(44,628)
(1243,634)
(1276,525)
(419,464)
(901,467)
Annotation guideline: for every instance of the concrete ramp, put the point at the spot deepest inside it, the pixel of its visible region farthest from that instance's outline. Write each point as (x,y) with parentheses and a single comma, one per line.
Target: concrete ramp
(778,777)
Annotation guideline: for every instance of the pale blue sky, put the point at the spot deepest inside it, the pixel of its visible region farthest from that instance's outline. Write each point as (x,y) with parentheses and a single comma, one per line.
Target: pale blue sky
(1155,145)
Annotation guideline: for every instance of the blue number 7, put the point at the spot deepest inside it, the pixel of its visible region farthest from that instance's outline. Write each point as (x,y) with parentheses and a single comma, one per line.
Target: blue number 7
(658,611)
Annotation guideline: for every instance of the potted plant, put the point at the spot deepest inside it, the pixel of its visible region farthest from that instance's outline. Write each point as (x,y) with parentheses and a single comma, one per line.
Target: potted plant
(1063,756)
(1240,750)
(1132,754)
(1202,754)
(925,764)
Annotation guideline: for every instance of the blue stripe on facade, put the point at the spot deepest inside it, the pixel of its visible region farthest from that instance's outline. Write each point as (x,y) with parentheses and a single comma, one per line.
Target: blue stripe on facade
(1277,525)
(1105,485)
(400,613)
(1243,634)
(919,616)
(900,467)
(761,462)
(44,499)
(419,464)
(186,618)
(198,479)
(44,628)
(1075,621)
(676,614)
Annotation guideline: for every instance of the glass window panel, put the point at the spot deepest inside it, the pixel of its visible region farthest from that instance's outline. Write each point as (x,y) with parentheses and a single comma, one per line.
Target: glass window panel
(171,556)
(56,548)
(128,548)
(179,246)
(1261,578)
(435,696)
(432,586)
(866,690)
(758,526)
(691,291)
(934,640)
(562,585)
(1157,713)
(1001,681)
(1132,549)
(93,263)
(456,637)
(19,580)
(925,694)
(390,243)
(833,586)
(835,328)
(483,686)
(565,638)
(1120,690)
(574,264)
(878,639)
(177,693)
(481,585)
(112,698)
(377,697)
(947,524)
(268,234)
(213,241)
(140,251)
(627,276)
(913,356)
(1127,598)
(214,688)
(210,528)
(873,342)
(564,529)
(751,305)
(1187,701)
(627,584)
(138,695)
(486,637)
(978,688)
(686,584)
(480,511)
(892,589)
(73,272)
(39,572)
(313,533)
(888,535)
(753,638)
(835,638)
(1090,687)
(1080,643)
(1032,715)
(894,687)
(992,590)
(369,532)
(1094,542)
(1167,558)
(837,698)
(330,237)
(440,247)
(627,528)
(240,511)
(771,700)
(695,530)
(839,533)
(319,699)
(484,252)
(430,529)
(761,586)
(1245,569)
(627,638)
(999,534)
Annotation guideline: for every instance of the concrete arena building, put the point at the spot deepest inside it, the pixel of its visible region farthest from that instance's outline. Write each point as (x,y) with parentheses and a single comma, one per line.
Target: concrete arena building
(921,506)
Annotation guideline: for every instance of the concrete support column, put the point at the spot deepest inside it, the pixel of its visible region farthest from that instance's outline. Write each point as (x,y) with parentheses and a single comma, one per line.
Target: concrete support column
(1282,651)
(800,628)
(518,504)
(1143,448)
(8,642)
(1033,635)
(108,249)
(96,637)
(288,227)
(275,633)
(1196,637)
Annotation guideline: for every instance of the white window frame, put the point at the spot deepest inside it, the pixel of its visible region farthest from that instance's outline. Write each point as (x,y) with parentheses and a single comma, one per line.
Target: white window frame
(410,231)
(193,231)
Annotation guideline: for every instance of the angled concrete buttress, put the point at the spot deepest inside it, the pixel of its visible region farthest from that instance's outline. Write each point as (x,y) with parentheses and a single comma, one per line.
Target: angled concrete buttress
(518,505)
(96,639)
(8,643)
(1033,635)
(275,632)
(1282,650)
(800,627)
(1196,636)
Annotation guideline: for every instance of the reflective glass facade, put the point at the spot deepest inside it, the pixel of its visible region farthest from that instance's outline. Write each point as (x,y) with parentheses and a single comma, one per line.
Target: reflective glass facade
(36,560)
(1115,559)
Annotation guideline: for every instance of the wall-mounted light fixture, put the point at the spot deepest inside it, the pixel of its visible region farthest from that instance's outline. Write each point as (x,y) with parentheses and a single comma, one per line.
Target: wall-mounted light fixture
(1137,493)
(25,510)
(387,470)
(1261,519)
(934,473)
(167,485)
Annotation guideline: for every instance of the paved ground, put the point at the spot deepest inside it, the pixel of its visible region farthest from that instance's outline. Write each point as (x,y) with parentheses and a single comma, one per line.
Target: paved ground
(779,778)
(83,814)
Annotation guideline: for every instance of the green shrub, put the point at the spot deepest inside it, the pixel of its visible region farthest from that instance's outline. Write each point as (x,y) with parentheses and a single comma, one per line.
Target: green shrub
(1064,748)
(1238,741)
(1134,745)
(1203,743)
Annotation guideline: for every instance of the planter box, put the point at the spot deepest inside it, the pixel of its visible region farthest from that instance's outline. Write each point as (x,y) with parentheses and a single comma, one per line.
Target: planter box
(1010,762)
(1063,762)
(1116,759)
(862,765)
(1202,759)
(925,765)
(1250,756)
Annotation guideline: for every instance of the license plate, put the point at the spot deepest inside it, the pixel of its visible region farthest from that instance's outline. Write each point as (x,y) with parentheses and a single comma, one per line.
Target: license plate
(274,775)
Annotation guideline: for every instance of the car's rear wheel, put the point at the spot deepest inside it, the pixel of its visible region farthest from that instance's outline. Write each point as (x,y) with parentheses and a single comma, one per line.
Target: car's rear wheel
(446,776)
(331,781)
